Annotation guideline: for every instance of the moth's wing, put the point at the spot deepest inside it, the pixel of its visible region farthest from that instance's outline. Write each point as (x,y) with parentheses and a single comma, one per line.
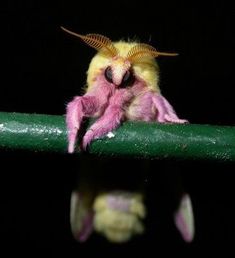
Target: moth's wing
(81,218)
(184,219)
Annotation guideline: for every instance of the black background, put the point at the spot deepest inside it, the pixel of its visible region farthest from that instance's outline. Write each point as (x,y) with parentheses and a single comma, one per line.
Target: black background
(43,68)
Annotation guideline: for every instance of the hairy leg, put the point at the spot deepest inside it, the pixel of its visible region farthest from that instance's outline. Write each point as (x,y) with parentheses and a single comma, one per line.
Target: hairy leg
(111,118)
(165,111)
(184,219)
(76,110)
(81,218)
(92,103)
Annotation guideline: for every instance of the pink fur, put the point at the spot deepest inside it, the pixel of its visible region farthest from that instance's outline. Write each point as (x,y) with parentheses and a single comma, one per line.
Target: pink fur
(78,208)
(182,224)
(166,112)
(87,228)
(144,109)
(111,118)
(118,203)
(112,105)
(90,105)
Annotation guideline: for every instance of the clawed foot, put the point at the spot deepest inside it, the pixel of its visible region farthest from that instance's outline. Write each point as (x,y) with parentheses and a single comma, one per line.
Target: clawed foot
(171,118)
(88,137)
(166,113)
(94,133)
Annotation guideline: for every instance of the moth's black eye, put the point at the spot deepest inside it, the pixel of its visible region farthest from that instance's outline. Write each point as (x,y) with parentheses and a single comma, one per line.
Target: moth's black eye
(128,79)
(108,74)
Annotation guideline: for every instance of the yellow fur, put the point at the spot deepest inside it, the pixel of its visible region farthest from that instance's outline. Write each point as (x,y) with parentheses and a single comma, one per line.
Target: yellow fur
(146,69)
(119,226)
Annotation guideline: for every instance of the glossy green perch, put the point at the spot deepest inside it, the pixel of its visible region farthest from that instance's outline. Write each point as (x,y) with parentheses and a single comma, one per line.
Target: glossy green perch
(36,132)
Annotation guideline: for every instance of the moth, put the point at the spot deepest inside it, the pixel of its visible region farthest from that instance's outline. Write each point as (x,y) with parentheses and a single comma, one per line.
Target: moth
(122,84)
(119,215)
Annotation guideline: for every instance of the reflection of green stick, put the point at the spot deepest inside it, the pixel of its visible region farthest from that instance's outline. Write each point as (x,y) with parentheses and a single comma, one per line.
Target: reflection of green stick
(135,139)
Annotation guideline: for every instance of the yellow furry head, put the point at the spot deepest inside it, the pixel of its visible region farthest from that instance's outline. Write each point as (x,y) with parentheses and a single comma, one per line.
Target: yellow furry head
(146,68)
(121,56)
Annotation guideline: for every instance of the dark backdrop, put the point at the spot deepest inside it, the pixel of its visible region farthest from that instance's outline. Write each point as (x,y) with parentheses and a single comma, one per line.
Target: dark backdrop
(43,68)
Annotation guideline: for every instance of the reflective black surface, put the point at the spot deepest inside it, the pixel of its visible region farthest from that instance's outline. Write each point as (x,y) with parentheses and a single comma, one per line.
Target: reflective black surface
(43,68)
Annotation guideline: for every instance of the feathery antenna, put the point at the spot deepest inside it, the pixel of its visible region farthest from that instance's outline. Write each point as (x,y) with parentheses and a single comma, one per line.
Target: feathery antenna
(144,50)
(96,41)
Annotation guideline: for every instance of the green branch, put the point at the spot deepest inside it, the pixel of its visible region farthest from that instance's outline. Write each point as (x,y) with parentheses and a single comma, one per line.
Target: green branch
(134,139)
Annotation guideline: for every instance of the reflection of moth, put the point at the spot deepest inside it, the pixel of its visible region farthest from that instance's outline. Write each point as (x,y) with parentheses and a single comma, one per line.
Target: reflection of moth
(118,216)
(122,84)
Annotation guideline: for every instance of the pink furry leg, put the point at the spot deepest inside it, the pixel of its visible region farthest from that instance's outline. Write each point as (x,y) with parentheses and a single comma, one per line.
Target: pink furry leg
(184,219)
(111,118)
(108,122)
(166,112)
(81,217)
(76,110)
